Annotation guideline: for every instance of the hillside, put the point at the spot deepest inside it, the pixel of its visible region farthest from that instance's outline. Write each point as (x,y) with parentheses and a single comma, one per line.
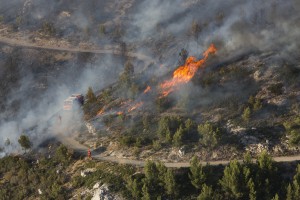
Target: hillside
(166,81)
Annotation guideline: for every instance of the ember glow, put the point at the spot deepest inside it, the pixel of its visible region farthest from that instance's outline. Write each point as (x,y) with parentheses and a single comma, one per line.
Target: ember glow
(120,113)
(100,112)
(185,73)
(148,89)
(135,106)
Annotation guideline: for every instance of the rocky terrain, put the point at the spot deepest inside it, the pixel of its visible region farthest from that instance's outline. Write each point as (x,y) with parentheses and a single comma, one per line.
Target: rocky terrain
(162,81)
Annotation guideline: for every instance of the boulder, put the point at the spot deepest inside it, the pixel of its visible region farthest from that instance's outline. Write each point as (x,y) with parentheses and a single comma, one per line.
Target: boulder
(101,192)
(85,172)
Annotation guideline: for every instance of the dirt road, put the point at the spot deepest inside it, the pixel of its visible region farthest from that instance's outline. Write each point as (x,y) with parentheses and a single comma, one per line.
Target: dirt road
(109,50)
(71,143)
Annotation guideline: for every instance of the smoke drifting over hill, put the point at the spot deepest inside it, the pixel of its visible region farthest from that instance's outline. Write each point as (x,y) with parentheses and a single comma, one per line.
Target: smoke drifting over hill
(33,102)
(235,27)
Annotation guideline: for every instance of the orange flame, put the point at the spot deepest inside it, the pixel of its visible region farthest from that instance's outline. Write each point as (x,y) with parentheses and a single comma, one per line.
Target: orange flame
(135,106)
(148,89)
(100,112)
(186,72)
(120,113)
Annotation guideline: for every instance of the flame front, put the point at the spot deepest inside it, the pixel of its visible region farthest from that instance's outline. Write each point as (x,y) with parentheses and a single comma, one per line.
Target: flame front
(148,89)
(135,106)
(120,113)
(100,112)
(186,72)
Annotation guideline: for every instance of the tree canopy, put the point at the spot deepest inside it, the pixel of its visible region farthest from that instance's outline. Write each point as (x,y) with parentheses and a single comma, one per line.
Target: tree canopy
(24,142)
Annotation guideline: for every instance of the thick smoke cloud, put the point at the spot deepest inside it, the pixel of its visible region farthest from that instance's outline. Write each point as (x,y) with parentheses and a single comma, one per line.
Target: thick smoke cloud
(235,25)
(38,111)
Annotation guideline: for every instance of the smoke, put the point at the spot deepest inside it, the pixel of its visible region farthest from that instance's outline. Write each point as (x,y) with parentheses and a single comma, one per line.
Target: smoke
(34,106)
(236,25)
(156,28)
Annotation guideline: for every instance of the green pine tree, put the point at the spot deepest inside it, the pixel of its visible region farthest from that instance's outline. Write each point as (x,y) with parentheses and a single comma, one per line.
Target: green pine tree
(170,183)
(252,191)
(289,193)
(276,197)
(133,186)
(197,175)
(145,192)
(296,183)
(90,96)
(24,142)
(232,181)
(266,178)
(209,135)
(207,193)
(246,114)
(178,137)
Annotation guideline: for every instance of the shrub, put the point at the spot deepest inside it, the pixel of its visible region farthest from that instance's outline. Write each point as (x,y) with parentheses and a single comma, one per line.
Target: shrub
(246,114)
(24,142)
(209,135)
(90,96)
(276,88)
(127,141)
(156,145)
(292,128)
(48,28)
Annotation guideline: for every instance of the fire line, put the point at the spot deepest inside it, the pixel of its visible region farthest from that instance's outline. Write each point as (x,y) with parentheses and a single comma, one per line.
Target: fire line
(186,72)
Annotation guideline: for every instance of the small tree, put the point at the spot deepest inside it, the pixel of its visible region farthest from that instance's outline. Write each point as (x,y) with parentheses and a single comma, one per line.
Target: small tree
(206,193)
(151,172)
(296,183)
(129,68)
(197,175)
(133,186)
(91,96)
(145,192)
(48,28)
(126,80)
(293,190)
(24,142)
(156,145)
(265,175)
(251,188)
(289,193)
(170,183)
(251,100)
(233,181)
(246,114)
(62,154)
(178,137)
(146,122)
(209,135)
(257,105)
(276,197)
(102,29)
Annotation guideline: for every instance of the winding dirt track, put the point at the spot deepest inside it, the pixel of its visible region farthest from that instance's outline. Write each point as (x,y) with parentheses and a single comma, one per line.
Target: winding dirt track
(112,49)
(73,144)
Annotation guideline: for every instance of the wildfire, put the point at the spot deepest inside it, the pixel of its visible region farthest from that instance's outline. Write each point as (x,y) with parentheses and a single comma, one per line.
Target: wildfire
(101,112)
(135,106)
(185,73)
(148,89)
(120,113)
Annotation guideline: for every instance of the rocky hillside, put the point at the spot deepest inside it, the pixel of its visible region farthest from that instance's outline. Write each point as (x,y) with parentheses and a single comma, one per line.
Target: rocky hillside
(175,81)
